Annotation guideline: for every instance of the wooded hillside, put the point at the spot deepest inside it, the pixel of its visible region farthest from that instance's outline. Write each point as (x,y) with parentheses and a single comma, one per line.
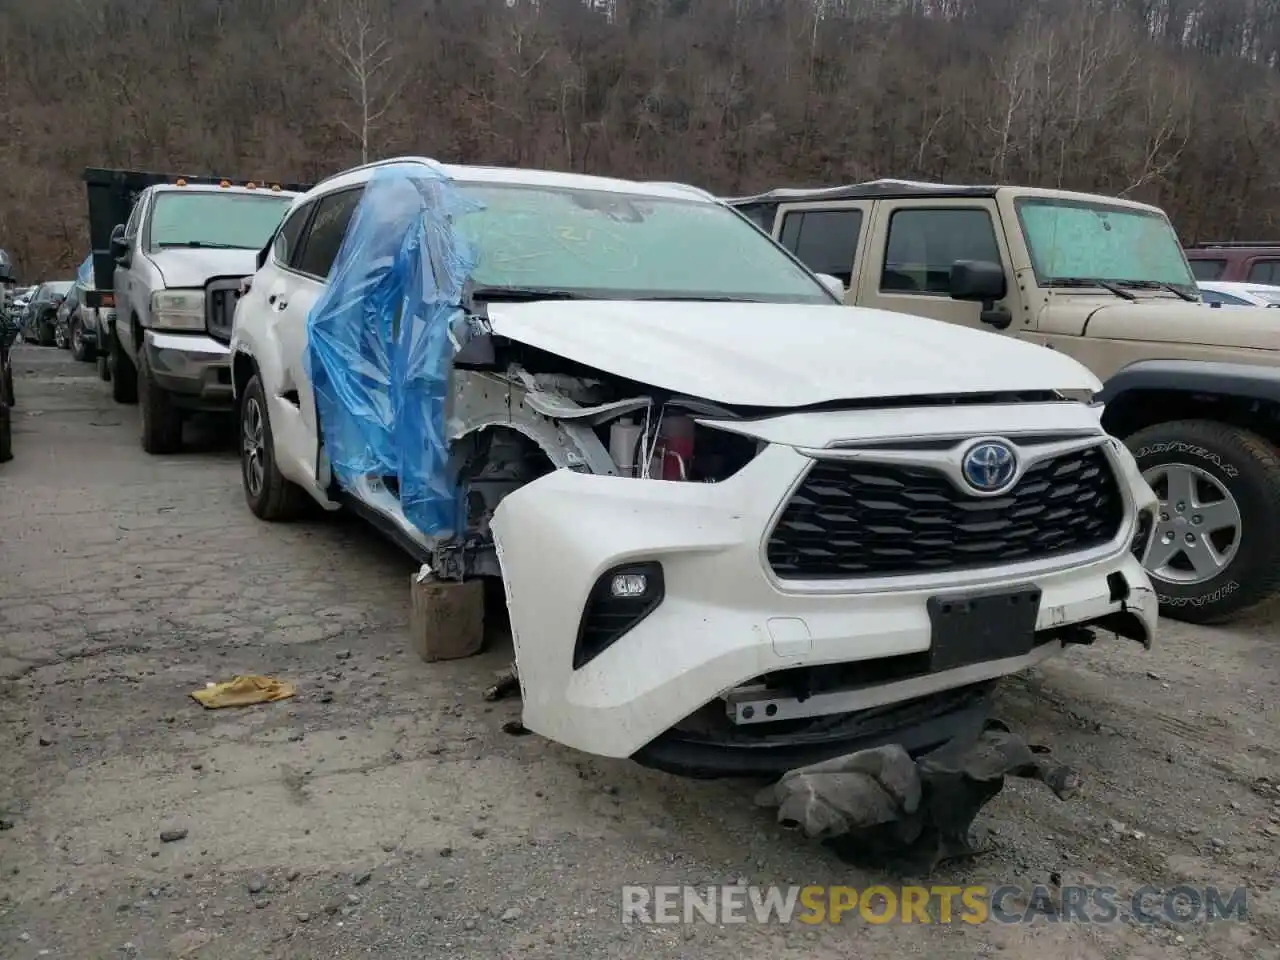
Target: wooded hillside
(1174,101)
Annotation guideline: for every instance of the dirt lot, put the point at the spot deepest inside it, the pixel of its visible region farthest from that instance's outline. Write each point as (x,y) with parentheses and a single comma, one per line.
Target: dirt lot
(384,812)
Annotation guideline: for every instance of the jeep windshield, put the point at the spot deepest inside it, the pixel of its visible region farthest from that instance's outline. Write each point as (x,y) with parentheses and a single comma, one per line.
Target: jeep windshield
(567,243)
(1080,243)
(203,218)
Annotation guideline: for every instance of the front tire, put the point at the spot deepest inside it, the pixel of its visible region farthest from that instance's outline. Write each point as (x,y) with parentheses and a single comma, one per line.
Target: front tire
(1215,549)
(270,495)
(124,379)
(161,418)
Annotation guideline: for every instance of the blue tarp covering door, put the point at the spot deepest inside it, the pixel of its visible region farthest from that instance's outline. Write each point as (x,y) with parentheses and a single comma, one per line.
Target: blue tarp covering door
(379,346)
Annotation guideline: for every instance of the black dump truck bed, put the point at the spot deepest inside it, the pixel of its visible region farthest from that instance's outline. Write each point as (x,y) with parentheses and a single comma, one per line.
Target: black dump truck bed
(112,194)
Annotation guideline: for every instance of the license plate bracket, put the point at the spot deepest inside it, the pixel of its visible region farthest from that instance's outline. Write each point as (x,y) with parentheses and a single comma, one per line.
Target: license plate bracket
(969,628)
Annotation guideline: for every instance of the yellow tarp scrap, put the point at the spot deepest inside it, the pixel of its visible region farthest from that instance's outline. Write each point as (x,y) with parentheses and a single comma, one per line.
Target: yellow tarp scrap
(243,692)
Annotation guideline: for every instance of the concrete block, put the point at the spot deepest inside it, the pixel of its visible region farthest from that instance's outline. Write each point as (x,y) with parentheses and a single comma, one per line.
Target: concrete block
(446,618)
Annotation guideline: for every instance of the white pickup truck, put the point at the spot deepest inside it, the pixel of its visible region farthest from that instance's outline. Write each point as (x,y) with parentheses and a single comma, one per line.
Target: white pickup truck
(171,271)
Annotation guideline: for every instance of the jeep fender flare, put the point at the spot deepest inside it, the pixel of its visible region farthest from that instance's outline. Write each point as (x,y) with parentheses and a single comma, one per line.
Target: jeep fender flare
(1245,380)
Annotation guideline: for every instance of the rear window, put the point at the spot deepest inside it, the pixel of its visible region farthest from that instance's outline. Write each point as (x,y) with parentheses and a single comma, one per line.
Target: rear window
(1264,271)
(1207,269)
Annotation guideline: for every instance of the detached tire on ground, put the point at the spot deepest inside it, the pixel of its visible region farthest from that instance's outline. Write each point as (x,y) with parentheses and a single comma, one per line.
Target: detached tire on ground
(161,418)
(124,379)
(269,494)
(1215,548)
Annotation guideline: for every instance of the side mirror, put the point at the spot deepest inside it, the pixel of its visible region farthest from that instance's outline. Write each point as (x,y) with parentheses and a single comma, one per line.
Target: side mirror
(978,280)
(982,281)
(832,283)
(119,249)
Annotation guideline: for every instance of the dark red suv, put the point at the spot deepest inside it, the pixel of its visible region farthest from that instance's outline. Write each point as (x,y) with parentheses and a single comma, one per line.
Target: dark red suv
(1252,262)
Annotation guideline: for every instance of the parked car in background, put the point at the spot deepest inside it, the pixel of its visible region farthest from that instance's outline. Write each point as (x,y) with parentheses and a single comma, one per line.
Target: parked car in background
(67,310)
(39,321)
(1248,262)
(1105,280)
(170,255)
(1219,293)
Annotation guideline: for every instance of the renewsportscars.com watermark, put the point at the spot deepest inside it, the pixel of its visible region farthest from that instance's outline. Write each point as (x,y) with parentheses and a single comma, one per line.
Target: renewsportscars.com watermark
(727,903)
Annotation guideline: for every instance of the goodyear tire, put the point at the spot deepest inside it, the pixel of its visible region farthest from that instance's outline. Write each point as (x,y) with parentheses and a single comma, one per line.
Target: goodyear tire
(161,418)
(270,495)
(1214,552)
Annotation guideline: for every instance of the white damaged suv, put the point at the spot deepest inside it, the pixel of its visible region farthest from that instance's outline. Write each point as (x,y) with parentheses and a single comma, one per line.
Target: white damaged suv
(741,527)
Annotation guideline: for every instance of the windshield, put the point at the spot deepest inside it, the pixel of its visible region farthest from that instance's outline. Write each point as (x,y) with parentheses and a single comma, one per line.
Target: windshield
(616,246)
(206,219)
(57,288)
(1074,240)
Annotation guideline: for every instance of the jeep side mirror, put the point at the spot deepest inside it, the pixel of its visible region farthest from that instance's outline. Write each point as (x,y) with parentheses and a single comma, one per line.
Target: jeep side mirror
(119,249)
(832,283)
(982,281)
(978,280)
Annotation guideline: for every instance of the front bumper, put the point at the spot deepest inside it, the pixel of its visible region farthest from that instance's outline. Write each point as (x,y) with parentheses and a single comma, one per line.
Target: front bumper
(195,369)
(724,621)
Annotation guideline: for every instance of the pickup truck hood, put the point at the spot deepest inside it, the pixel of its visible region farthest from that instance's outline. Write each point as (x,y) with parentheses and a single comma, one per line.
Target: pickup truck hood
(784,355)
(1165,321)
(187,267)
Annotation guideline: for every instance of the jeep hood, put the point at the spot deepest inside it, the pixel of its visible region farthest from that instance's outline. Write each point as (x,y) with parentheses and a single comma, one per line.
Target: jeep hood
(193,267)
(784,355)
(1165,321)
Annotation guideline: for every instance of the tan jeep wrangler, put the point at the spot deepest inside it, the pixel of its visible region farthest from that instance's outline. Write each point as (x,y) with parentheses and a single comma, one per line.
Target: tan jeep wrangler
(1195,393)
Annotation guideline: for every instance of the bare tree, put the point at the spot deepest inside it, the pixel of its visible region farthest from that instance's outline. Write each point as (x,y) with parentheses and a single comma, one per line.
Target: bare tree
(359,37)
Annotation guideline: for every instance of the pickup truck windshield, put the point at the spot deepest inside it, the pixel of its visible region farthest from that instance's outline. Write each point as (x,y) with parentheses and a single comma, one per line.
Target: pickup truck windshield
(208,219)
(619,246)
(1074,240)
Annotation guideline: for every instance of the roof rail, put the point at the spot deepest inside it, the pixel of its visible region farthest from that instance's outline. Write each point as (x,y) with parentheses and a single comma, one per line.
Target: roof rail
(1235,243)
(687,187)
(374,164)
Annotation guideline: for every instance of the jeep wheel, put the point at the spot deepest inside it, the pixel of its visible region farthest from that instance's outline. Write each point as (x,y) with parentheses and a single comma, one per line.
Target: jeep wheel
(269,494)
(81,349)
(124,379)
(161,418)
(1215,548)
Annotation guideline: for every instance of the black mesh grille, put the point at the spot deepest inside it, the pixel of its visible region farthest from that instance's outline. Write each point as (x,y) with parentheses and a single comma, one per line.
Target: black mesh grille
(851,520)
(220,307)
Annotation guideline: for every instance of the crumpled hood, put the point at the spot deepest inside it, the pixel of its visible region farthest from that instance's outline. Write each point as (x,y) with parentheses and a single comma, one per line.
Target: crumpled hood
(784,355)
(187,267)
(1166,321)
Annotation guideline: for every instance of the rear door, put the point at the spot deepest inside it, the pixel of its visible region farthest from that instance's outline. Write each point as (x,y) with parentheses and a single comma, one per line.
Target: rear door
(911,247)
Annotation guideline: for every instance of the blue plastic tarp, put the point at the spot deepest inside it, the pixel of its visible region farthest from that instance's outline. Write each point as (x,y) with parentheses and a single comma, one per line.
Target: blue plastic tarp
(378,341)
(84,275)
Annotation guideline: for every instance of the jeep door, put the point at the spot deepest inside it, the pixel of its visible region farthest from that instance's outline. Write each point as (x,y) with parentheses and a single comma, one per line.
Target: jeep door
(826,237)
(911,246)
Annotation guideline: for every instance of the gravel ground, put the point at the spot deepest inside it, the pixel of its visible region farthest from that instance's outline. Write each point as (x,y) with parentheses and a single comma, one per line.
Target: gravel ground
(384,812)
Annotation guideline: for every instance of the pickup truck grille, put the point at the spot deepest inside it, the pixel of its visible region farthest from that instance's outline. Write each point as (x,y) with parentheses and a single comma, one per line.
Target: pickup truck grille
(220,298)
(853,519)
